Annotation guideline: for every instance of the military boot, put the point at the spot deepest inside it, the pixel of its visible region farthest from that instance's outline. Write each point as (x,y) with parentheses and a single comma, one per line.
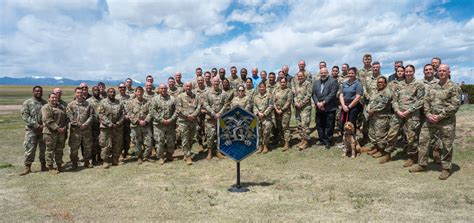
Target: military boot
(299,144)
(169,157)
(220,155)
(209,154)
(436,156)
(88,164)
(385,158)
(189,161)
(260,149)
(286,146)
(265,149)
(26,170)
(52,170)
(74,165)
(444,174)
(377,154)
(370,151)
(139,161)
(60,168)
(410,161)
(161,160)
(304,144)
(105,165)
(43,167)
(417,168)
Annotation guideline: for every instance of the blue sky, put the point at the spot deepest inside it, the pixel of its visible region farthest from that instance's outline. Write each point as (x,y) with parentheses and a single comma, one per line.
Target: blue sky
(97,39)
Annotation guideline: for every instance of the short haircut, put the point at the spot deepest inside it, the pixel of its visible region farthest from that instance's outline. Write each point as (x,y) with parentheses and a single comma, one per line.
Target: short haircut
(171,78)
(77,88)
(198,69)
(367,55)
(101,84)
(437,58)
(52,93)
(250,79)
(426,65)
(376,62)
(335,66)
(353,69)
(243,69)
(37,86)
(399,61)
(139,88)
(262,84)
(271,73)
(383,77)
(412,67)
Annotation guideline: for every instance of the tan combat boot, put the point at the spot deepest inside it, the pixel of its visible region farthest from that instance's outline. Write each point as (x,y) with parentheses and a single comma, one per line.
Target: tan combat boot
(304,144)
(26,170)
(410,161)
(385,158)
(88,164)
(260,149)
(189,161)
(265,149)
(416,169)
(139,161)
(209,154)
(105,165)
(370,150)
(377,154)
(43,167)
(220,155)
(444,174)
(52,170)
(286,146)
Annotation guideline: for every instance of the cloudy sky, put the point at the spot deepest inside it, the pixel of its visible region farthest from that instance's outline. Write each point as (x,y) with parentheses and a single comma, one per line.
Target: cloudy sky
(96,39)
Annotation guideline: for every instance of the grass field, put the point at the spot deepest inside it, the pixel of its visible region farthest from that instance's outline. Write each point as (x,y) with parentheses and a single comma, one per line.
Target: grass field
(312,185)
(15,95)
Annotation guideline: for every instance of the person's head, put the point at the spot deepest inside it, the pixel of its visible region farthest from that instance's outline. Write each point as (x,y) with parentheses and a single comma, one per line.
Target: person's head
(111,93)
(221,73)
(322,64)
(214,72)
(376,67)
(300,77)
(84,87)
(178,77)
(188,87)
(200,81)
(122,88)
(263,75)
(409,72)
(272,77)
(233,71)
(241,91)
(283,83)
(352,73)
(207,76)
(301,65)
(78,93)
(397,64)
(281,75)
(163,90)
(225,84)
(95,91)
(101,86)
(335,71)
(428,71)
(262,88)
(285,69)
(254,72)
(436,61)
(53,98)
(381,83)
(324,73)
(198,72)
(149,78)
(367,60)
(243,73)
(58,92)
(345,68)
(37,92)
(128,82)
(400,73)
(215,82)
(249,83)
(171,82)
(139,92)
(444,72)
(149,87)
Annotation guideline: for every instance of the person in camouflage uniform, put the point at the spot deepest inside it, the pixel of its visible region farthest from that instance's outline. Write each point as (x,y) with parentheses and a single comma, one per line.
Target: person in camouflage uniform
(54,132)
(282,98)
(149,93)
(249,90)
(102,91)
(81,116)
(163,112)
(263,108)
(31,115)
(379,111)
(200,90)
(179,84)
(188,107)
(407,101)
(215,103)
(129,88)
(370,88)
(440,107)
(227,89)
(111,117)
(95,126)
(271,83)
(302,102)
(234,79)
(173,90)
(125,98)
(365,71)
(207,79)
(140,119)
(242,100)
(307,75)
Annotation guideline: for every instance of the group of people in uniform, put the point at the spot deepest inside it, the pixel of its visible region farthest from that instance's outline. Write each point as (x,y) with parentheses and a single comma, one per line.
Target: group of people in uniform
(104,124)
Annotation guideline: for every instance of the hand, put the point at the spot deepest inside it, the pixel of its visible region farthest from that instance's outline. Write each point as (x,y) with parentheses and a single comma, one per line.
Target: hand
(217,115)
(142,123)
(400,114)
(261,115)
(371,112)
(345,108)
(60,130)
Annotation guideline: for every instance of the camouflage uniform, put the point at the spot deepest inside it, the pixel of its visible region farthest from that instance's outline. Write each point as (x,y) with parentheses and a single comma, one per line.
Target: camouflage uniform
(31,115)
(164,108)
(294,81)
(187,105)
(200,135)
(370,88)
(80,113)
(435,143)
(244,102)
(235,82)
(407,97)
(140,111)
(175,91)
(213,102)
(379,122)
(127,131)
(363,73)
(54,118)
(111,139)
(264,103)
(443,101)
(95,128)
(149,98)
(250,93)
(271,88)
(302,96)
(282,100)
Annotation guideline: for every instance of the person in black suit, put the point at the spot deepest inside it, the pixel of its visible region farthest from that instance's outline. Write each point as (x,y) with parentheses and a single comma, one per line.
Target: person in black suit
(325,101)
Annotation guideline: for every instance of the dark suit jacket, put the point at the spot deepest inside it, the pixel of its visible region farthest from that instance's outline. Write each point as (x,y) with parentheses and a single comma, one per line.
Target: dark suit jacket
(328,95)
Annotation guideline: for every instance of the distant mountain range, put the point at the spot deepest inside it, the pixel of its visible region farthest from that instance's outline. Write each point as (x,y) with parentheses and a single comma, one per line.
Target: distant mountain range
(57,81)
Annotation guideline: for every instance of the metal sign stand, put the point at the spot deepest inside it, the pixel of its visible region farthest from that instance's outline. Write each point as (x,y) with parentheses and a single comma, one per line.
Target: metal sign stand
(237,188)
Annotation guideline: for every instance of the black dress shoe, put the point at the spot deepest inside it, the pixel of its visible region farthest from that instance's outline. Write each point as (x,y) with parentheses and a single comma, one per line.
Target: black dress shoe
(328,146)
